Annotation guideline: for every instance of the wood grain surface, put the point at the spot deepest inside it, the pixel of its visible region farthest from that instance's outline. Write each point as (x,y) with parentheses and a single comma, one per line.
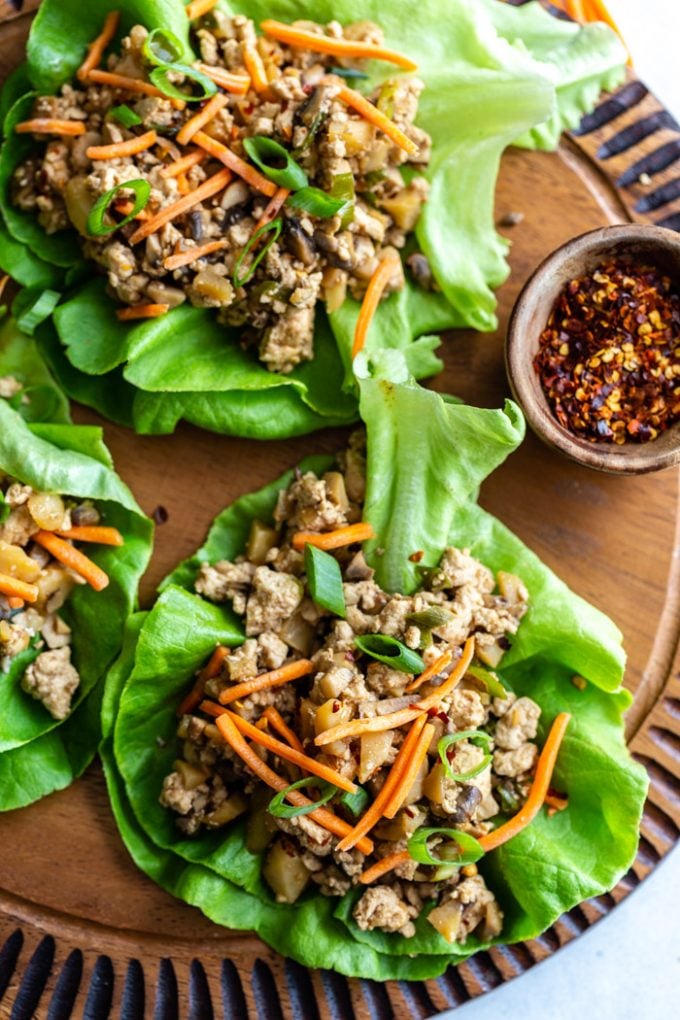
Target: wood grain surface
(83,933)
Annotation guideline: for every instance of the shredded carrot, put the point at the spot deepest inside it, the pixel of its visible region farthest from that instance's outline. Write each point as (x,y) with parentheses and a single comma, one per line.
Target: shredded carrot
(14,602)
(124,206)
(149,311)
(3,283)
(275,678)
(73,558)
(325,818)
(297,37)
(289,753)
(93,533)
(185,258)
(371,113)
(403,788)
(200,119)
(50,126)
(384,865)
(97,47)
(539,788)
(121,81)
(556,802)
(197,8)
(210,187)
(140,143)
(209,672)
(255,68)
(278,723)
(375,812)
(18,589)
(574,8)
(454,677)
(183,186)
(384,272)
(180,166)
(432,670)
(375,724)
(252,177)
(272,208)
(237,83)
(333,539)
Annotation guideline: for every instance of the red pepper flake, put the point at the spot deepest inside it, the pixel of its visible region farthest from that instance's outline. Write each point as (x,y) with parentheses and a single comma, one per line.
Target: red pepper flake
(609,357)
(416,557)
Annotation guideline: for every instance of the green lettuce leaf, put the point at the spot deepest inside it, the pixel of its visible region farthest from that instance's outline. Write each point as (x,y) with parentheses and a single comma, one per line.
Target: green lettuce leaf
(493,74)
(41,399)
(72,460)
(552,865)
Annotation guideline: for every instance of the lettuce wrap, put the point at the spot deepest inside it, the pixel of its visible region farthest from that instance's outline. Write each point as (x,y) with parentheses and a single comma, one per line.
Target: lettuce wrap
(494,75)
(427,457)
(40,447)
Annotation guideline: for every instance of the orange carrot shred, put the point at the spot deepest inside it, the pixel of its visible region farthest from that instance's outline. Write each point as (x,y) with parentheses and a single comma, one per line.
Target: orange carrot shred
(130,147)
(237,83)
(384,272)
(375,812)
(18,589)
(272,208)
(432,670)
(275,678)
(209,672)
(278,723)
(371,113)
(235,163)
(556,802)
(150,311)
(454,677)
(124,206)
(121,81)
(73,558)
(197,8)
(374,724)
(539,788)
(97,47)
(3,283)
(185,258)
(50,126)
(255,68)
(384,865)
(322,816)
(14,602)
(200,119)
(333,539)
(403,788)
(338,47)
(180,166)
(210,187)
(93,533)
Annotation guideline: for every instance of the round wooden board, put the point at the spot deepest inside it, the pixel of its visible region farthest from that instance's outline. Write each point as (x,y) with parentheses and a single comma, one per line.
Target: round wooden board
(83,933)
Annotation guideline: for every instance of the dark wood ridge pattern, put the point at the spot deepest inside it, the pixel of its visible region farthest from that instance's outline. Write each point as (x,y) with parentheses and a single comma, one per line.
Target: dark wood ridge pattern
(44,977)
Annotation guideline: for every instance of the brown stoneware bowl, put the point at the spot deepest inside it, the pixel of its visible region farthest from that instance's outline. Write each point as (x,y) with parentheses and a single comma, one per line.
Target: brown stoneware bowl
(580,256)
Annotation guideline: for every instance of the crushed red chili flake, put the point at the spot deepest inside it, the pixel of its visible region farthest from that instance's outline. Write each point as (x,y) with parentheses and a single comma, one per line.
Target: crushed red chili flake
(609,357)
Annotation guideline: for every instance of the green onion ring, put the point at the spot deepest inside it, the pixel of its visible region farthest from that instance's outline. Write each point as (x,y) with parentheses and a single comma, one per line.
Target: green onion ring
(36,312)
(275,228)
(278,809)
(356,803)
(391,652)
(95,220)
(490,681)
(159,77)
(290,176)
(475,737)
(324,580)
(125,116)
(162,47)
(417,847)
(319,203)
(347,72)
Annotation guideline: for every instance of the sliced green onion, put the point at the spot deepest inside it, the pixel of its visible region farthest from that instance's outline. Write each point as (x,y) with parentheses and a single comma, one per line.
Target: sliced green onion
(343,188)
(469,849)
(162,47)
(275,229)
(430,618)
(35,313)
(159,77)
(318,203)
(386,98)
(95,220)
(351,73)
(5,511)
(324,580)
(278,809)
(265,151)
(356,803)
(390,651)
(490,681)
(125,116)
(320,117)
(477,737)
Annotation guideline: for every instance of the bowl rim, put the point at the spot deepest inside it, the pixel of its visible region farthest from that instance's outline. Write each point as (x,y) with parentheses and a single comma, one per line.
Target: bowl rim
(634,458)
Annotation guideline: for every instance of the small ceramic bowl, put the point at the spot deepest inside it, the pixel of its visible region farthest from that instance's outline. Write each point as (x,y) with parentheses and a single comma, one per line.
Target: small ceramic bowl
(650,245)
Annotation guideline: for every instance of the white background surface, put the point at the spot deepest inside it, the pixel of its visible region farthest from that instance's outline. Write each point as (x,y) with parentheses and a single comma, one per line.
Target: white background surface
(628,966)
